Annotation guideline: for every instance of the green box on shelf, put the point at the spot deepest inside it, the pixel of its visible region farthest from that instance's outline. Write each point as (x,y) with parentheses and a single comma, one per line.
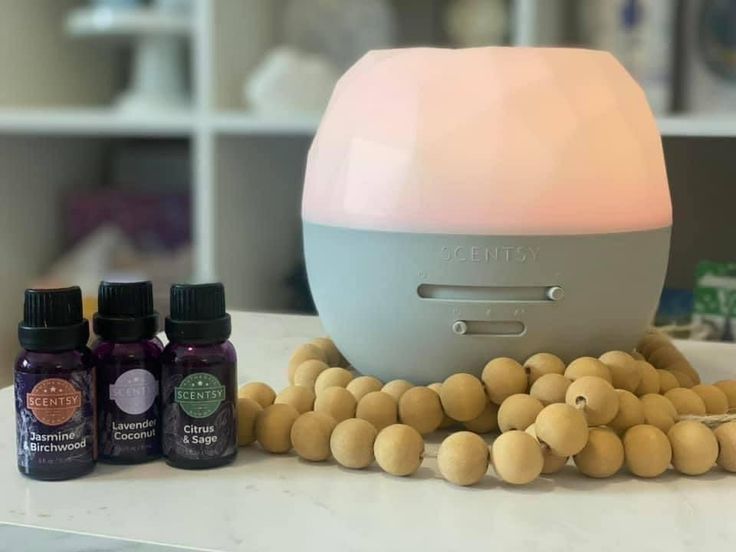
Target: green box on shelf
(714,312)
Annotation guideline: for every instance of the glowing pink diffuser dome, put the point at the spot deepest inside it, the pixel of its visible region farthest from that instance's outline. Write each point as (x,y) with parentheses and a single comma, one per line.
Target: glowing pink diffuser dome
(484,202)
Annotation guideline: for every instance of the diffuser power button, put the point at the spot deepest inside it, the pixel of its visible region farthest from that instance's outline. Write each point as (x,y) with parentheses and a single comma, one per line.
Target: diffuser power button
(459,327)
(555,293)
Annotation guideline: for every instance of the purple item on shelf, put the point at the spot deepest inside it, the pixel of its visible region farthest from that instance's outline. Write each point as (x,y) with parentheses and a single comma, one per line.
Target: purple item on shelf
(151,221)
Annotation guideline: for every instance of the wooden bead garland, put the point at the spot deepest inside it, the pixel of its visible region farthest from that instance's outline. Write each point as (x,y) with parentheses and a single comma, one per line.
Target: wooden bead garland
(355,419)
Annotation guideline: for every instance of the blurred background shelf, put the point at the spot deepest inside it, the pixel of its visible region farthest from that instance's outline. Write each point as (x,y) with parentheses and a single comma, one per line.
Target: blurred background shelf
(239,123)
(94,121)
(107,22)
(695,126)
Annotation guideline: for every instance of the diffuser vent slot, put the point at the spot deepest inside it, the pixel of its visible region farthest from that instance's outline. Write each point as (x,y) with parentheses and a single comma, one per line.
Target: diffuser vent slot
(490,294)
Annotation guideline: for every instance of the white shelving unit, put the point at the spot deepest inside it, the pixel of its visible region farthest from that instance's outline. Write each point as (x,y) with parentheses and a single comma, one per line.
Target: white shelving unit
(246,168)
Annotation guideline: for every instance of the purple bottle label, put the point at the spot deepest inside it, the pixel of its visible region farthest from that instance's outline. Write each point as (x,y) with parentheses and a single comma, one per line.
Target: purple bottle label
(134,391)
(54,420)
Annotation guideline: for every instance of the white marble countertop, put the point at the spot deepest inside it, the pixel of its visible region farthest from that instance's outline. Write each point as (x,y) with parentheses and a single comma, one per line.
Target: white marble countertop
(264,502)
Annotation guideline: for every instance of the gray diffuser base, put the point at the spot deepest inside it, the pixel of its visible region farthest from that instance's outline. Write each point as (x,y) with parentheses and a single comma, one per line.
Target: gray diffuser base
(424,306)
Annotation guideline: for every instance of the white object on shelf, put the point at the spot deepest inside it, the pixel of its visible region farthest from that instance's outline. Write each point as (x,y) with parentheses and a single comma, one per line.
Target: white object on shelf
(158,76)
(244,506)
(710,56)
(472,23)
(290,81)
(641,34)
(341,30)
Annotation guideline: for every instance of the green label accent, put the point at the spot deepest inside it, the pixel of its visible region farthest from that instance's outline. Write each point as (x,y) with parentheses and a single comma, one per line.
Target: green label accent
(199,395)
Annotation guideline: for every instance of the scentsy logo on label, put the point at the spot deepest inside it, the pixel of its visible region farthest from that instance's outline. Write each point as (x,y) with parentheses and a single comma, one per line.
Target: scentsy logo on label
(199,395)
(134,391)
(54,401)
(497,254)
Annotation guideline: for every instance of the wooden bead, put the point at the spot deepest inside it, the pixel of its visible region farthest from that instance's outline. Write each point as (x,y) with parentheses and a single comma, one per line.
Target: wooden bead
(273,427)
(446,420)
(552,462)
(336,402)
(550,388)
(379,408)
(686,401)
(630,412)
(625,372)
(502,378)
(716,401)
(665,356)
(726,435)
(682,378)
(647,450)
(595,397)
(301,398)
(420,408)
(396,388)
(658,411)
(667,381)
(399,449)
(363,385)
(651,342)
(307,372)
(649,379)
(694,447)
(486,422)
(259,392)
(310,436)
(351,443)
(248,411)
(729,388)
(563,428)
(543,363)
(462,458)
(463,397)
(587,366)
(517,457)
(332,377)
(685,367)
(333,357)
(602,456)
(518,412)
(308,351)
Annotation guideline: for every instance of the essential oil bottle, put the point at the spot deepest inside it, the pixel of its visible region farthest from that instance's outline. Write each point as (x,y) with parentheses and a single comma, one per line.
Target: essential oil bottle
(54,387)
(199,379)
(127,359)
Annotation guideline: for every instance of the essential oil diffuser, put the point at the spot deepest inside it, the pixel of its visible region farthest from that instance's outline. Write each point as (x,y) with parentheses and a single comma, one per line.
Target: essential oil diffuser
(461,205)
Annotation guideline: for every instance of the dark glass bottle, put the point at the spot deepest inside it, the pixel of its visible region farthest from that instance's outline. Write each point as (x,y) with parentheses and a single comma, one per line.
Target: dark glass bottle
(128,373)
(54,387)
(199,380)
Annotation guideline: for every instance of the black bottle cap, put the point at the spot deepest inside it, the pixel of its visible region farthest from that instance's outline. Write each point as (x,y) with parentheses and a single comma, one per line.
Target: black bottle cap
(125,312)
(52,320)
(198,314)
